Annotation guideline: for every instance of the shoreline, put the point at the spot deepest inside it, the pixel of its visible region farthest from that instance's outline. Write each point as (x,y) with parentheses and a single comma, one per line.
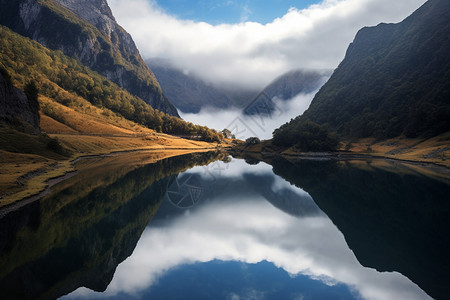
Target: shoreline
(67,167)
(362,156)
(345,156)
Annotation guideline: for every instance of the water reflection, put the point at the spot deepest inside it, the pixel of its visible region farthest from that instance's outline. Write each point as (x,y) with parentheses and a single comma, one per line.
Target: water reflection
(87,226)
(393,216)
(247,214)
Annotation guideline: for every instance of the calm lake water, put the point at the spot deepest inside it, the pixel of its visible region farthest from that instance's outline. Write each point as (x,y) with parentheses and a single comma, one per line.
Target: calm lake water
(208,226)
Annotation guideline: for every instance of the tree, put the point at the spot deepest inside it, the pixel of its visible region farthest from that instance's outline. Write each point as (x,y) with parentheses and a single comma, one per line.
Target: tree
(227,133)
(252,141)
(32,92)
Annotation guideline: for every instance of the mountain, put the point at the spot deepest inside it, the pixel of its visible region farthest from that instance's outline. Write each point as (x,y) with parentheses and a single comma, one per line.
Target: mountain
(295,82)
(16,108)
(75,99)
(86,30)
(393,81)
(286,87)
(190,93)
(186,91)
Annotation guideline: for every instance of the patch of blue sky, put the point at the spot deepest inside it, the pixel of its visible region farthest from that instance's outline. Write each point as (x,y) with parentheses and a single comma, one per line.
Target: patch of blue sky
(231,11)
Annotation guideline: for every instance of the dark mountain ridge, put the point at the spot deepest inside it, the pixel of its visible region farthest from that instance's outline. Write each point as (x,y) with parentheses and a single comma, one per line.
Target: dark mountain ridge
(394,80)
(86,30)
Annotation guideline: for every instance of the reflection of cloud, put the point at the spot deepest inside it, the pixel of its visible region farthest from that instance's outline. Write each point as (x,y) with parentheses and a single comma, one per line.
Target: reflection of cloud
(251,230)
(234,169)
(252,54)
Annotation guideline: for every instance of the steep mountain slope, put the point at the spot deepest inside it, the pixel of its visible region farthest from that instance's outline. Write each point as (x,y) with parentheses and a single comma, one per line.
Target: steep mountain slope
(86,30)
(190,94)
(286,87)
(16,108)
(394,80)
(295,82)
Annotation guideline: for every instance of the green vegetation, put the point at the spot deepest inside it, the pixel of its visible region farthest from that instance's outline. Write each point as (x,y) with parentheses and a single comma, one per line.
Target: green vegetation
(305,136)
(252,141)
(65,79)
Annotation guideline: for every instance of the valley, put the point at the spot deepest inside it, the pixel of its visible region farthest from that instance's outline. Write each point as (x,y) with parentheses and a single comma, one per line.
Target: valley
(174,158)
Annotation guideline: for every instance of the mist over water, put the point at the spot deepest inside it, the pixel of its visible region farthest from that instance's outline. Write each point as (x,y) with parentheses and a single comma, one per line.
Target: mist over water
(244,126)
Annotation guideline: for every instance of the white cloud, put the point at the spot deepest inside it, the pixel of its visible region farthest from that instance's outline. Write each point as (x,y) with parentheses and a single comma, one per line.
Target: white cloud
(250,53)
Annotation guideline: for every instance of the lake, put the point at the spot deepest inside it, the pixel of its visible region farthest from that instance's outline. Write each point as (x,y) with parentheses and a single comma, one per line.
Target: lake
(150,225)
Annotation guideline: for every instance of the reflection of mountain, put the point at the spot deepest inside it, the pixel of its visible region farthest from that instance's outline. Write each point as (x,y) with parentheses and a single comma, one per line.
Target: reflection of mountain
(242,186)
(85,229)
(392,222)
(286,200)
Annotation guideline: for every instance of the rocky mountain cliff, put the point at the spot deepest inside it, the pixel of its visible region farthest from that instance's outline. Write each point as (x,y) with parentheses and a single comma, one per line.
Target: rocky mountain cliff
(87,31)
(394,81)
(15,107)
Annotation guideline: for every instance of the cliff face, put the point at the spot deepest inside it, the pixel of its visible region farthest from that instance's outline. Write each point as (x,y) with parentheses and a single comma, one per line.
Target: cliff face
(16,109)
(87,31)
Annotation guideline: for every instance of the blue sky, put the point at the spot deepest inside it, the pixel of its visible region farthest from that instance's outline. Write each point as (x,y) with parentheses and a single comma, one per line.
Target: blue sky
(231,11)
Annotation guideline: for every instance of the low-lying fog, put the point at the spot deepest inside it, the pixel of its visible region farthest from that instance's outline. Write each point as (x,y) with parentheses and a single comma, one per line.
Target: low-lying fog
(244,126)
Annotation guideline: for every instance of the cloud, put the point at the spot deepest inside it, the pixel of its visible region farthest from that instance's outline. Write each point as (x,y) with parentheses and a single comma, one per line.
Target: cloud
(249,53)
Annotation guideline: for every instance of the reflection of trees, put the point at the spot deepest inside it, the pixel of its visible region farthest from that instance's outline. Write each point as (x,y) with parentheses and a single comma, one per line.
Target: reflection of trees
(392,221)
(87,228)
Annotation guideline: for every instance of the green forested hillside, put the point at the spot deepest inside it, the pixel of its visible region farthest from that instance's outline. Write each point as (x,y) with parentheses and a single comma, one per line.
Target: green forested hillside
(394,80)
(65,79)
